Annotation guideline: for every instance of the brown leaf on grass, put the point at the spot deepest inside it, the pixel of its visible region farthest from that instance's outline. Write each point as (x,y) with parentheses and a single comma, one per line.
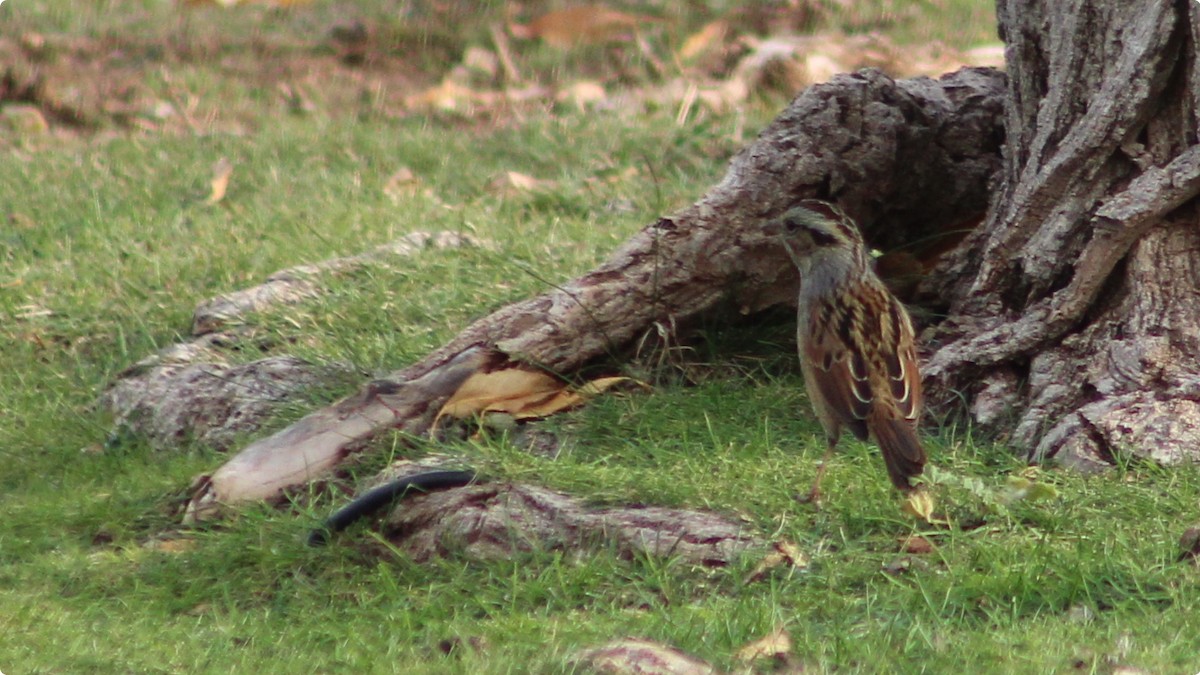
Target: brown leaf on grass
(586,24)
(524,394)
(449,95)
(1189,545)
(403,183)
(219,182)
(512,183)
(916,545)
(711,35)
(782,554)
(774,645)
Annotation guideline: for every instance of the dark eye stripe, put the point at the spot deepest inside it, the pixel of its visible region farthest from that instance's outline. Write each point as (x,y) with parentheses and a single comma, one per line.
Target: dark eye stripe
(822,238)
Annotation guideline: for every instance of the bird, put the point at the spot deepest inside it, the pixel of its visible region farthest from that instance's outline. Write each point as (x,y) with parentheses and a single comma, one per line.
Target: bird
(855,340)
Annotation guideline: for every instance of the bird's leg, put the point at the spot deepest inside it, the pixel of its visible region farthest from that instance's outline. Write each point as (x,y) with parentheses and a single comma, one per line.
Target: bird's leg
(814,493)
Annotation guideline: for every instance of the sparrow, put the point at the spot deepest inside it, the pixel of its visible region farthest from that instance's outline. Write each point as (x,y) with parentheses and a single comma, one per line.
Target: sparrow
(855,341)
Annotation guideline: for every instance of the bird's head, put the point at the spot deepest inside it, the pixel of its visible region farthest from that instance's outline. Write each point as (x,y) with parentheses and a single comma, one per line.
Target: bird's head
(814,230)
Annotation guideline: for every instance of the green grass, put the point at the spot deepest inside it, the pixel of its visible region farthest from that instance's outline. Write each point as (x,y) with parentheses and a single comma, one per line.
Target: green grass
(106,245)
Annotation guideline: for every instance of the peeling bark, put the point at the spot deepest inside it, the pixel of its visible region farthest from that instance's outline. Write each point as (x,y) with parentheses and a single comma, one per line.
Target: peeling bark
(188,392)
(496,521)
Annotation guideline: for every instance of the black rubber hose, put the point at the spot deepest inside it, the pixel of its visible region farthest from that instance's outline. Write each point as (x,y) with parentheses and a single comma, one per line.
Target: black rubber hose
(384,495)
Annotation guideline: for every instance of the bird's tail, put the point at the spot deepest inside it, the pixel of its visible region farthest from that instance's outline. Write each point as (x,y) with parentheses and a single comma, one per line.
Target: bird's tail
(902,451)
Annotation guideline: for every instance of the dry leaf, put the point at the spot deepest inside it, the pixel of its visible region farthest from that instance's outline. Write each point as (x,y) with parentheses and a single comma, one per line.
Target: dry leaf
(920,503)
(712,34)
(402,183)
(587,24)
(448,95)
(171,545)
(916,545)
(775,645)
(582,93)
(1189,545)
(512,183)
(783,553)
(524,394)
(221,172)
(32,312)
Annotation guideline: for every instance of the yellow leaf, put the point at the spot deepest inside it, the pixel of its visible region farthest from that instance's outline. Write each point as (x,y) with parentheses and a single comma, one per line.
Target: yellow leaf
(522,393)
(499,390)
(221,172)
(603,384)
(774,645)
(920,503)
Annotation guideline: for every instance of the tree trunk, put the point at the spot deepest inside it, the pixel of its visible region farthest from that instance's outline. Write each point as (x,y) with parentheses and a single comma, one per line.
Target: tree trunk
(1073,323)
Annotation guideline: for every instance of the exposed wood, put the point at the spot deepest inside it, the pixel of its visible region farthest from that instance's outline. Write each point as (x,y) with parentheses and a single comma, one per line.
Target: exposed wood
(317,443)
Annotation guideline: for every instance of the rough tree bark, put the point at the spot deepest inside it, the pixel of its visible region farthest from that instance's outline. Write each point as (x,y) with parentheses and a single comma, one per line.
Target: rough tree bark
(1073,318)
(914,155)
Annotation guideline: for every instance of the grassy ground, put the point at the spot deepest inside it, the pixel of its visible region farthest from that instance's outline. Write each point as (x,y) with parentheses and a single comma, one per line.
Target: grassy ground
(107,244)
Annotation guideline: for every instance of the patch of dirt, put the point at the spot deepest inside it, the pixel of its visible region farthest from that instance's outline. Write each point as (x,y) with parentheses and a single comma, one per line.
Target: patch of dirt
(87,85)
(212,70)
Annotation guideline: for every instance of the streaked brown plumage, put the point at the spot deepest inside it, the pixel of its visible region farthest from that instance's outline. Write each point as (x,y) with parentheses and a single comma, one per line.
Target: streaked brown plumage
(855,340)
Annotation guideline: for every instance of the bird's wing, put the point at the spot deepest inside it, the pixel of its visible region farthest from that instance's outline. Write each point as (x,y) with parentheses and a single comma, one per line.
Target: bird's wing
(839,371)
(898,355)
(897,386)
